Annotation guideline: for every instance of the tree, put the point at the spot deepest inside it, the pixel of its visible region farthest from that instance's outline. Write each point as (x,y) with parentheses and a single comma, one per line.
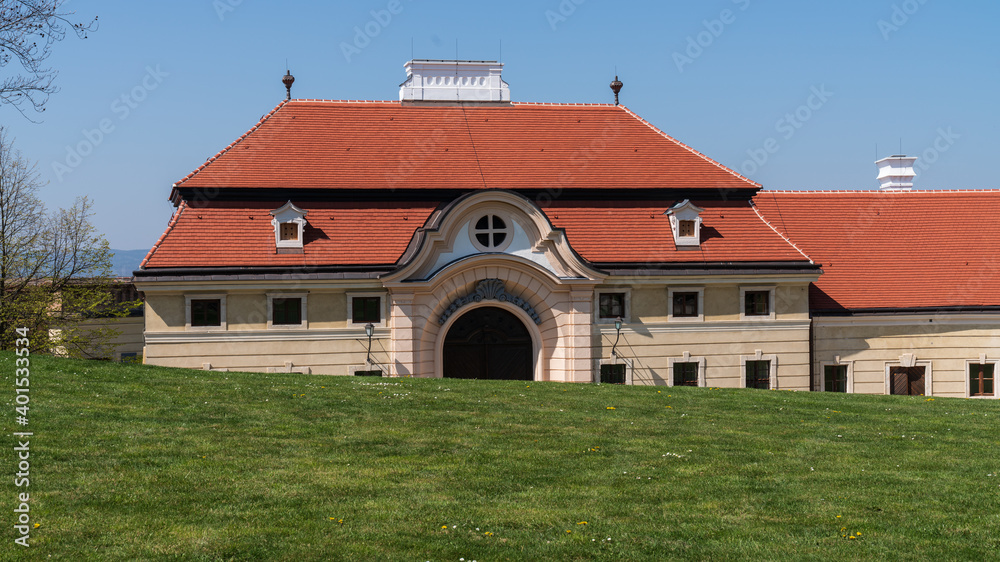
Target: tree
(55,268)
(28,30)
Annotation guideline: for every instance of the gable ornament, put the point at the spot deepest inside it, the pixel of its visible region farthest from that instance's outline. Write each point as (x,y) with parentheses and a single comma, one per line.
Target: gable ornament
(490,290)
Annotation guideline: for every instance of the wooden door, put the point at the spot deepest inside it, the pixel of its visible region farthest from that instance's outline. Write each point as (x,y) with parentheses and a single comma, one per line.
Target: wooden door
(906,381)
(488,343)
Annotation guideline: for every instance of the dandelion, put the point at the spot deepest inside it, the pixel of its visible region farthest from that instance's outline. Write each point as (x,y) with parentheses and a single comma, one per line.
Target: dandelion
(568,531)
(838,517)
(610,407)
(37,525)
(442,526)
(582,523)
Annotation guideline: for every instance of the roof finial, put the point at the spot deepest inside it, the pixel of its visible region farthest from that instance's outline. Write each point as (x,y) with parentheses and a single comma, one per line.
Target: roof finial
(616,86)
(287,80)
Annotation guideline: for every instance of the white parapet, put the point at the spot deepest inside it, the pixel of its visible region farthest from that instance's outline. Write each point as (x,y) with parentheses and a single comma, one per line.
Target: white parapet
(896,172)
(455,81)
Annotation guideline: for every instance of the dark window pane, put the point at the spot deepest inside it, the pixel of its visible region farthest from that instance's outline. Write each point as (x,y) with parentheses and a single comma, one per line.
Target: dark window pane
(836,378)
(498,223)
(206,312)
(498,238)
(758,374)
(484,239)
(685,304)
(685,374)
(981,379)
(375,373)
(612,305)
(367,309)
(757,304)
(286,311)
(613,374)
(483,223)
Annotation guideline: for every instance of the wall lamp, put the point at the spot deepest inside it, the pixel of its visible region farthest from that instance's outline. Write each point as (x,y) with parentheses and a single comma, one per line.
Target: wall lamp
(369,330)
(618,329)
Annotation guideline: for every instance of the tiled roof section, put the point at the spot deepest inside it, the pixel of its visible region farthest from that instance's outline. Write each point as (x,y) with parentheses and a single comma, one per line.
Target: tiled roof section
(241,234)
(635,232)
(639,232)
(380,145)
(890,250)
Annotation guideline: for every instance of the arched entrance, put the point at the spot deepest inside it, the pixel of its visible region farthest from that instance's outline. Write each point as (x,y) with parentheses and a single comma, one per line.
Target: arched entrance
(488,343)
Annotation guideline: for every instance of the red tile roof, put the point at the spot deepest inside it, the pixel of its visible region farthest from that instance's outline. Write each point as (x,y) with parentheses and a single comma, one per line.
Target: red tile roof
(379,145)
(911,249)
(241,234)
(638,232)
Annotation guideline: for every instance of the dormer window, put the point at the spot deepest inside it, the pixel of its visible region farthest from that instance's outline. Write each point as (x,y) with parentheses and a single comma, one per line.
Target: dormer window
(289,224)
(685,223)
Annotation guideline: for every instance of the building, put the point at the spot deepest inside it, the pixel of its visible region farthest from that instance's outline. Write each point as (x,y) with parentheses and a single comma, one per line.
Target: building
(457,234)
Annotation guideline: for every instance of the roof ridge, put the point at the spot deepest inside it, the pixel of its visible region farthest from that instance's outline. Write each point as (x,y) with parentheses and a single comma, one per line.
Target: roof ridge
(232,144)
(693,151)
(778,232)
(170,226)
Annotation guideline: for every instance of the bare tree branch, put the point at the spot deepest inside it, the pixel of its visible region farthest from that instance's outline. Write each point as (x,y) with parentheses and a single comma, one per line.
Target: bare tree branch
(28,31)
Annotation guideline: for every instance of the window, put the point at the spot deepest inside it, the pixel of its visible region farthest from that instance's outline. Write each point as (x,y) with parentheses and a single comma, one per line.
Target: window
(366,310)
(371,373)
(758,374)
(491,233)
(756,303)
(685,374)
(685,305)
(613,373)
(289,223)
(130,358)
(206,312)
(686,370)
(611,305)
(685,224)
(289,231)
(286,311)
(981,379)
(835,378)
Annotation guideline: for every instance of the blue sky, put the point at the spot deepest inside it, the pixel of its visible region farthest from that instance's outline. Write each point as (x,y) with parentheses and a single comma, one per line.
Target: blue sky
(795,94)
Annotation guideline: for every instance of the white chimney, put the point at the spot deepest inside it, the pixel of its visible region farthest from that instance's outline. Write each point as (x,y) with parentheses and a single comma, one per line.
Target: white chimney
(454,81)
(896,172)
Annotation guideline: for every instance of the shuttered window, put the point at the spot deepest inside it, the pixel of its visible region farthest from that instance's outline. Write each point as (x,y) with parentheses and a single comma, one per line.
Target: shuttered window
(613,374)
(758,374)
(981,379)
(685,374)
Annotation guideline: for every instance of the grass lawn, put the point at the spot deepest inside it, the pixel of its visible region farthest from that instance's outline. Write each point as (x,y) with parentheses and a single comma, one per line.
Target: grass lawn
(130,462)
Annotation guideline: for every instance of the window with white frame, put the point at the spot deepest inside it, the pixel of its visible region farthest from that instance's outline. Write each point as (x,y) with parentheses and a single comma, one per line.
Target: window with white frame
(981,377)
(612,304)
(759,371)
(492,232)
(205,312)
(366,308)
(614,370)
(686,371)
(289,226)
(836,376)
(757,303)
(685,224)
(687,304)
(287,311)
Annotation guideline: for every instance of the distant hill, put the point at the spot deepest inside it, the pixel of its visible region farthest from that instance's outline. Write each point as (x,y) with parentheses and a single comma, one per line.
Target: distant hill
(126,261)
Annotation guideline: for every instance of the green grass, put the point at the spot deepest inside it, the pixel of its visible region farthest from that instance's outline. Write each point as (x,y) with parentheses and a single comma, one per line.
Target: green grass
(144,463)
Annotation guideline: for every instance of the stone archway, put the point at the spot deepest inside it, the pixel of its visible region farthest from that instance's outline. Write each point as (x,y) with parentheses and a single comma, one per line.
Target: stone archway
(488,343)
